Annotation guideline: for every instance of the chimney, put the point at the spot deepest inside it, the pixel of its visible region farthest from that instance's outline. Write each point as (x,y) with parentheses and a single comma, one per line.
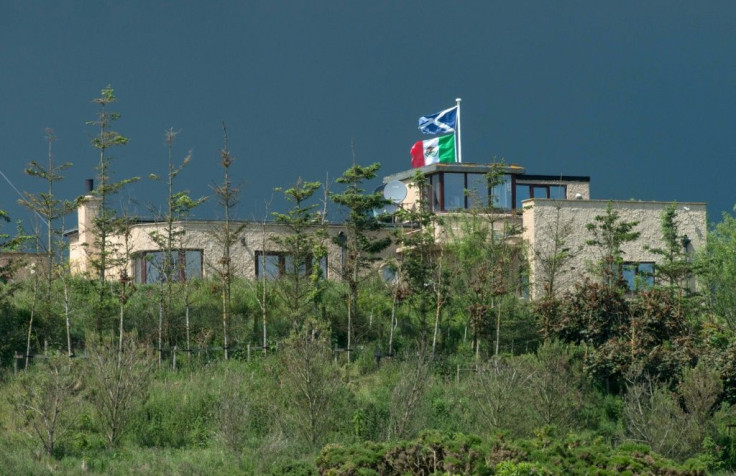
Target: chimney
(89,185)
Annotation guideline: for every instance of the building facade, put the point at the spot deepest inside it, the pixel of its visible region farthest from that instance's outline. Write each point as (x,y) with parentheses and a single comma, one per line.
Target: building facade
(546,210)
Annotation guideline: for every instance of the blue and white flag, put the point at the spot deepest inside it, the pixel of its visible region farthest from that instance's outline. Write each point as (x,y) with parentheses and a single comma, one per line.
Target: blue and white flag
(439,123)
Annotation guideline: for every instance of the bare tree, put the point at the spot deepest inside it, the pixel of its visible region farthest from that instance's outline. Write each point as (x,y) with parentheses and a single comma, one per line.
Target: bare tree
(118,382)
(496,388)
(309,382)
(408,395)
(48,393)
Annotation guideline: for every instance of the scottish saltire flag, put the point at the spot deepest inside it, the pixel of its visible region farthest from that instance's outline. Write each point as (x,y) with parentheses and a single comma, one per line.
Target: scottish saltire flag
(440,122)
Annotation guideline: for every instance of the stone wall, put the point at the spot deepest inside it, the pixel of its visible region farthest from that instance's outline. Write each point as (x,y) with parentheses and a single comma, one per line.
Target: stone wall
(544,219)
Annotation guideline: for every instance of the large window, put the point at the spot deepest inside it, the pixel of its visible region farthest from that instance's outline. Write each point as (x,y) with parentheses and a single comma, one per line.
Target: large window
(464,190)
(638,275)
(277,264)
(151,266)
(461,191)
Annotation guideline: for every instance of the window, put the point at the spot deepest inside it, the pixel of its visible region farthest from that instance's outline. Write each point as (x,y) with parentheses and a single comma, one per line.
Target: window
(276,264)
(528,190)
(638,275)
(450,191)
(461,191)
(502,193)
(435,187)
(477,190)
(150,266)
(454,188)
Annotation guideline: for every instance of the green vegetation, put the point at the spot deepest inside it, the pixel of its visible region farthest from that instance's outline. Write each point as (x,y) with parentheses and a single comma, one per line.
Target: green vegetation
(445,369)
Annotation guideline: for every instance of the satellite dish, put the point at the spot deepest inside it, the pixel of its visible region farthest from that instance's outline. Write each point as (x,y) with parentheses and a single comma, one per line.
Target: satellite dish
(395,191)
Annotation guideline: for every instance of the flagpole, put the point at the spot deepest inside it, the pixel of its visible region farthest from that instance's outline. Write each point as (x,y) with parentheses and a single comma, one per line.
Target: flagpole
(459,148)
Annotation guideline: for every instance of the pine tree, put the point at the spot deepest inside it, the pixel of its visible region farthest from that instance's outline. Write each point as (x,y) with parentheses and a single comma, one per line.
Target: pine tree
(103,253)
(361,242)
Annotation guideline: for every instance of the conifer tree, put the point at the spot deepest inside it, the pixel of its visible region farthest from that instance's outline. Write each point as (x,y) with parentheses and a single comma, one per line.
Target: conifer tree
(171,267)
(227,235)
(103,253)
(610,234)
(303,248)
(362,244)
(51,210)
(676,266)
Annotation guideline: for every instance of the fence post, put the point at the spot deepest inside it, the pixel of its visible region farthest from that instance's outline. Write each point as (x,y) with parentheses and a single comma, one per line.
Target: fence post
(457,374)
(248,354)
(173,359)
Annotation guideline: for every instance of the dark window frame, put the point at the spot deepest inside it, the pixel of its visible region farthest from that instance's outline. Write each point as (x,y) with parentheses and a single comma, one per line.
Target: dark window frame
(282,261)
(437,190)
(141,263)
(531,186)
(436,186)
(636,266)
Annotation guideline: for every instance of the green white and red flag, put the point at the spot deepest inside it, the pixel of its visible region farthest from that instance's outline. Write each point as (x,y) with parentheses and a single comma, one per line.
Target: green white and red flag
(436,150)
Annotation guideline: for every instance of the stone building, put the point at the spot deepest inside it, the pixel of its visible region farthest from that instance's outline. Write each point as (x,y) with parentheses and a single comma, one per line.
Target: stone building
(197,250)
(548,210)
(545,208)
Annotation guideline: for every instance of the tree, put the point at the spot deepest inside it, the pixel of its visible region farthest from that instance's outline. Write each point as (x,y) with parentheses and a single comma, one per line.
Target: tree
(309,382)
(621,334)
(717,270)
(610,233)
(423,260)
(361,243)
(486,262)
(48,394)
(51,209)
(555,387)
(554,256)
(303,249)
(408,394)
(227,235)
(118,383)
(676,267)
(495,389)
(170,267)
(107,223)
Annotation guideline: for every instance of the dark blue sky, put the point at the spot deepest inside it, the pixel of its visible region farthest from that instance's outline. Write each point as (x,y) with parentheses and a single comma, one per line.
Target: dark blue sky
(640,96)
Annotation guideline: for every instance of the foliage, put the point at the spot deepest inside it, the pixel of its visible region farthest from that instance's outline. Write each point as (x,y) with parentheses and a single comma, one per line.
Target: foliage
(718,271)
(301,285)
(645,334)
(422,262)
(361,242)
(609,235)
(46,399)
(309,384)
(457,453)
(227,235)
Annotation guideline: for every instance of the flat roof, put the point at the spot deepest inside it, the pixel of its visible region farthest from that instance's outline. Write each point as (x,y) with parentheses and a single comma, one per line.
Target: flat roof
(453,167)
(511,169)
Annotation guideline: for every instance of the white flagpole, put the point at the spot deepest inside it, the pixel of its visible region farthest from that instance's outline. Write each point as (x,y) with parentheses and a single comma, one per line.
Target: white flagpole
(458,146)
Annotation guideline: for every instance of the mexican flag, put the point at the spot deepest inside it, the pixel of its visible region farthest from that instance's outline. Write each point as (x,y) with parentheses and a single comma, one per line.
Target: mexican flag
(432,151)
